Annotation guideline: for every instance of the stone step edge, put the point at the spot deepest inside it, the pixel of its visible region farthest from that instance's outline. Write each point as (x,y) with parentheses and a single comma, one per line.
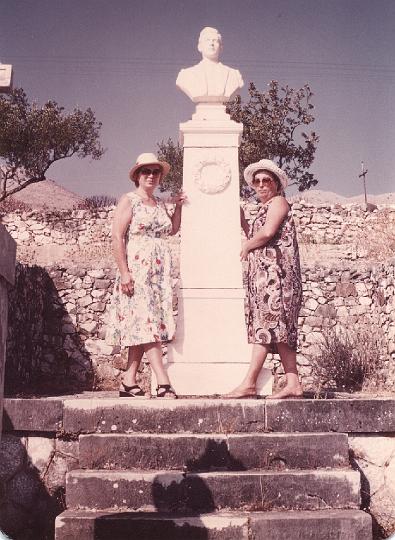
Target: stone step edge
(226,515)
(85,413)
(219,436)
(147,474)
(176,491)
(293,520)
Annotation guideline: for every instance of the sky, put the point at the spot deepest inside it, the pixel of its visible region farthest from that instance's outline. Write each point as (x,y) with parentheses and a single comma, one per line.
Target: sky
(122,57)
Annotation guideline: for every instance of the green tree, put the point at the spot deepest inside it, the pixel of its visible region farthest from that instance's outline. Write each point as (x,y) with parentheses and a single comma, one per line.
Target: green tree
(33,137)
(273,129)
(173,154)
(274,124)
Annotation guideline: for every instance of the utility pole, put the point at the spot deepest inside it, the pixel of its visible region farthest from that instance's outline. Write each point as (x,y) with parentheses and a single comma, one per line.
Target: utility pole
(363,174)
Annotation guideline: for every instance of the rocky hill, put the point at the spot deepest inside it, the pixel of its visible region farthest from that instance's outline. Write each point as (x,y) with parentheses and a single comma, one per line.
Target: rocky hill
(48,194)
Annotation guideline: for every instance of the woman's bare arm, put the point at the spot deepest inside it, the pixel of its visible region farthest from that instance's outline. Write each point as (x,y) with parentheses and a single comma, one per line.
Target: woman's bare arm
(178,200)
(244,222)
(121,221)
(276,214)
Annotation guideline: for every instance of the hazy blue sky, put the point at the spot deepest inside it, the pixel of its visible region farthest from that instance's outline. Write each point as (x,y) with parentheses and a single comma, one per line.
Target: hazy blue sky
(121,57)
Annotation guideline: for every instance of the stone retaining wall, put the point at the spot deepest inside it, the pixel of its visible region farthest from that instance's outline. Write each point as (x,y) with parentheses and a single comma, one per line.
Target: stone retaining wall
(330,224)
(7,272)
(58,323)
(57,320)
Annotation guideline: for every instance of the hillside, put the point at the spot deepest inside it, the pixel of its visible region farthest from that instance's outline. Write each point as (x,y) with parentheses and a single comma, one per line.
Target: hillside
(317,196)
(48,194)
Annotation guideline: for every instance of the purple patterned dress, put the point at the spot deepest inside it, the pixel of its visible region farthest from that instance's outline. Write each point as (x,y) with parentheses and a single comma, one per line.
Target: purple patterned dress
(273,285)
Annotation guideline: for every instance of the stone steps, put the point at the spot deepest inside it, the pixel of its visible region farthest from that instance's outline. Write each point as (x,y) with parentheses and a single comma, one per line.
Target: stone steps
(214,470)
(204,452)
(180,492)
(301,525)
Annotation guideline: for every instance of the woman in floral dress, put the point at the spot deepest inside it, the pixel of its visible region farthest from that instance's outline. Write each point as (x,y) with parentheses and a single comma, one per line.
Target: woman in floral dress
(272,280)
(141,309)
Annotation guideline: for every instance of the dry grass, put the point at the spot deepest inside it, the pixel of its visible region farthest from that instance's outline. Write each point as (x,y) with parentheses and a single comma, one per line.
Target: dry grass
(351,359)
(10,205)
(96,202)
(377,241)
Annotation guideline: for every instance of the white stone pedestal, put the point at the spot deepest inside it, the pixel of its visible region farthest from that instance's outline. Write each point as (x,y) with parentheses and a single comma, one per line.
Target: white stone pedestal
(210,353)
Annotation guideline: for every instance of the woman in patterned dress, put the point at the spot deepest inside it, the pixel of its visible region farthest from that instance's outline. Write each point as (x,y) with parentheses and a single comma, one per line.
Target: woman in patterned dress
(272,280)
(141,309)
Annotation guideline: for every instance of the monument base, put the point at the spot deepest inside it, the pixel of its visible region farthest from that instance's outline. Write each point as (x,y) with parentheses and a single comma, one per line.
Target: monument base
(208,379)
(210,353)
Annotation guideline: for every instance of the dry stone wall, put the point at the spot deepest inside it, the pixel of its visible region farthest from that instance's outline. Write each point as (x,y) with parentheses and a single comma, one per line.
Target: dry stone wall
(72,227)
(65,310)
(330,224)
(61,310)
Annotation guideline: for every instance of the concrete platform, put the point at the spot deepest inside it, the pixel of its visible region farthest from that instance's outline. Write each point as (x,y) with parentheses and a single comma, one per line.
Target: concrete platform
(301,525)
(178,492)
(198,452)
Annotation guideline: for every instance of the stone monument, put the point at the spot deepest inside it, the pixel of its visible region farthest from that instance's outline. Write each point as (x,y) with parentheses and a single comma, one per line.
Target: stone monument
(210,352)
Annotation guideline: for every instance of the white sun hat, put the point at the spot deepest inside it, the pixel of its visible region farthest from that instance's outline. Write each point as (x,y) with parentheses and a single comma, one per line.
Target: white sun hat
(148,159)
(267,165)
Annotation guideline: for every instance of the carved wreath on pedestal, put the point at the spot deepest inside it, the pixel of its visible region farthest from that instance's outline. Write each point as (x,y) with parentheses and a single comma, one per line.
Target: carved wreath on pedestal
(212,174)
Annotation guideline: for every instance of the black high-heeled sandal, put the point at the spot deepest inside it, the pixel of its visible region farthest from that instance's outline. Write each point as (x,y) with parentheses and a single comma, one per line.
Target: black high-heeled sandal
(165,391)
(133,391)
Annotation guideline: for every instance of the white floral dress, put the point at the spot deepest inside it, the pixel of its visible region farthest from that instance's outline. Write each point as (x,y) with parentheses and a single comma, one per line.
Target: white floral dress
(147,315)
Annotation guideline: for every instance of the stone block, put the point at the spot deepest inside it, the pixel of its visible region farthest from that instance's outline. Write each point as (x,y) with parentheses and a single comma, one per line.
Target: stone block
(40,451)
(150,526)
(174,491)
(106,415)
(33,414)
(346,289)
(341,415)
(220,452)
(318,525)
(23,488)
(12,456)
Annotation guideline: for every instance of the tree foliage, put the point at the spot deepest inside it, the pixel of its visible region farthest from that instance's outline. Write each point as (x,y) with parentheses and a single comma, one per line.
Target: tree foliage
(273,129)
(274,123)
(33,137)
(173,154)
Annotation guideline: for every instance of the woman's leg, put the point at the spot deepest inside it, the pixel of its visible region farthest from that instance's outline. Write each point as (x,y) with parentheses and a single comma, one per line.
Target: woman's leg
(155,358)
(154,355)
(292,387)
(135,355)
(247,388)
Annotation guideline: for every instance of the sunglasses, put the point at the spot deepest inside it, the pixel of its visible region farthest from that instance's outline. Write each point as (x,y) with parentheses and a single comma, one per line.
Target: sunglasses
(258,181)
(146,171)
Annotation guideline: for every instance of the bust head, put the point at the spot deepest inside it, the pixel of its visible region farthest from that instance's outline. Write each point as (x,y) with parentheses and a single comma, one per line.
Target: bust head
(210,43)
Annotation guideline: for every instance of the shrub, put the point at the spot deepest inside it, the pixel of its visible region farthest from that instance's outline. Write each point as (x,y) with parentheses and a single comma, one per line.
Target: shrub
(96,201)
(12,205)
(350,359)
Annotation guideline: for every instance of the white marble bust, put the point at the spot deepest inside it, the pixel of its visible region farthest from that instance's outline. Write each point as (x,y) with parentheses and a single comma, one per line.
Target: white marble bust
(209,80)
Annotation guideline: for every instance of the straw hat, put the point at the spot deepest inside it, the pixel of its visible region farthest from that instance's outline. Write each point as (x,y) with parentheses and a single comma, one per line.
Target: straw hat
(268,165)
(148,159)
